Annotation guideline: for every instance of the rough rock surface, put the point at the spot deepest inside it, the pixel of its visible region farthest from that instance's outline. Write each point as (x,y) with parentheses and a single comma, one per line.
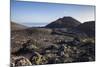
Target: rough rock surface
(37,46)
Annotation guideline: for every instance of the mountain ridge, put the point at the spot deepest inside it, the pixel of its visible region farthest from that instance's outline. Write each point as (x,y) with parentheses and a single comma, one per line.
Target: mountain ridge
(65,22)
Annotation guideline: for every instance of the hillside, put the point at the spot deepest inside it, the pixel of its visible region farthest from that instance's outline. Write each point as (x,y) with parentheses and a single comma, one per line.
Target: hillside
(65,22)
(16,26)
(88,28)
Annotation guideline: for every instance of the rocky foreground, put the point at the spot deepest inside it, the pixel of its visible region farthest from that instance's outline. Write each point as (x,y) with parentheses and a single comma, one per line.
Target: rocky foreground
(38,46)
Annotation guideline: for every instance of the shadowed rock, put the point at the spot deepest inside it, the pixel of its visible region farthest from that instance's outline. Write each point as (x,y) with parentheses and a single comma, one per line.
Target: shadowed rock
(88,28)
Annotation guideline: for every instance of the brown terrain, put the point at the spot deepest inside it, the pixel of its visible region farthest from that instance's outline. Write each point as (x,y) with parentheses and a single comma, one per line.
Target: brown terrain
(16,26)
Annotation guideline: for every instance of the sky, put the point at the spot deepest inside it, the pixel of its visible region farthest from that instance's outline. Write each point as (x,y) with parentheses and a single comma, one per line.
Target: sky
(39,12)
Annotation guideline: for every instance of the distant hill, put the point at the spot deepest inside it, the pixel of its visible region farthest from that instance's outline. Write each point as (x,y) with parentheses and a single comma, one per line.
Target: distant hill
(16,26)
(88,28)
(65,22)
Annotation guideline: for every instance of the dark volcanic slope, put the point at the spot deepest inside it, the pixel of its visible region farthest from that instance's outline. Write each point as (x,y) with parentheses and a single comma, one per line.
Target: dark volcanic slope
(88,28)
(16,26)
(65,22)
